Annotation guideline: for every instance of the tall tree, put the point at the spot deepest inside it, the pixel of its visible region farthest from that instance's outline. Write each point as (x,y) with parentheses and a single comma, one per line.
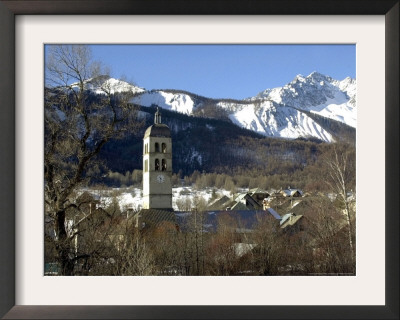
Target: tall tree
(341,179)
(269,252)
(78,124)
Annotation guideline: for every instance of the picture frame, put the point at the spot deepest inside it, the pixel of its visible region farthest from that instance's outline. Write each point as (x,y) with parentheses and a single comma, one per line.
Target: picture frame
(8,10)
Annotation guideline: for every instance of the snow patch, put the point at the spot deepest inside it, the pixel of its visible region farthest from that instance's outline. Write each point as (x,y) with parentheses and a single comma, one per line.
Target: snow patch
(178,102)
(103,84)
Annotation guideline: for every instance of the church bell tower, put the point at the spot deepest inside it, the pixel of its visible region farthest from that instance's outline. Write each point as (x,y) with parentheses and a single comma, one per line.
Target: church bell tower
(157,166)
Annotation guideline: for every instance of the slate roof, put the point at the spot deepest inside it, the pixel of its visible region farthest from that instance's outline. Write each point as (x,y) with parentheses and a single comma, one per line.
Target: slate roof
(274,213)
(219,203)
(258,190)
(154,217)
(250,202)
(239,206)
(240,197)
(247,219)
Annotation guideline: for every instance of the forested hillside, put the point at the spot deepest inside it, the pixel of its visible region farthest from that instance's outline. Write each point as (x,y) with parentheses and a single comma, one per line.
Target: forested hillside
(211,146)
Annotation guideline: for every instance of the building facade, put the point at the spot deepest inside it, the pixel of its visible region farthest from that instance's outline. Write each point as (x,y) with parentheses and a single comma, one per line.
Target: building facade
(157,166)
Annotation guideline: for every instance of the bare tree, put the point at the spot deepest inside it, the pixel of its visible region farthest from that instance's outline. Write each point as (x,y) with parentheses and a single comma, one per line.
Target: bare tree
(222,258)
(138,257)
(323,246)
(165,246)
(192,239)
(341,179)
(77,126)
(268,254)
(198,206)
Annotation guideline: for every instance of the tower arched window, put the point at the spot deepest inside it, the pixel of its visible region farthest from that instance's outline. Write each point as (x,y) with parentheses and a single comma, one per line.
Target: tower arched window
(164,148)
(157,147)
(157,165)
(146,166)
(163,165)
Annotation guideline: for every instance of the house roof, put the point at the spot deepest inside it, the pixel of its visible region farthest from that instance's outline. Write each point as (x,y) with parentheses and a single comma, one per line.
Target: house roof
(219,203)
(289,219)
(240,197)
(276,193)
(239,206)
(155,217)
(285,217)
(274,213)
(88,197)
(246,220)
(292,192)
(257,190)
(250,203)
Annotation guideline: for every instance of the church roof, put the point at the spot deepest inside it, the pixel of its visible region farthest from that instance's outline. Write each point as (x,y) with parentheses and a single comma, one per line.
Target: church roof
(155,217)
(158,130)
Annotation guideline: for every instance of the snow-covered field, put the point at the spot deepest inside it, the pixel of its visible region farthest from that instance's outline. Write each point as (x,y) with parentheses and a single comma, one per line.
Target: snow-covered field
(131,198)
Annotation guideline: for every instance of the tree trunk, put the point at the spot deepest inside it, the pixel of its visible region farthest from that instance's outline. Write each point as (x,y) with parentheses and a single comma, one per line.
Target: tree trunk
(63,245)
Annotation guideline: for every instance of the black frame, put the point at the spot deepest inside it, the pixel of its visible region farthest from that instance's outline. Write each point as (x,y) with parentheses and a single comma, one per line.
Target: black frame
(8,10)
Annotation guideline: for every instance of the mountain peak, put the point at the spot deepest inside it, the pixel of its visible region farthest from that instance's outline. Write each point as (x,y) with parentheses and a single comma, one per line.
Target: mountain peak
(318,77)
(314,76)
(101,83)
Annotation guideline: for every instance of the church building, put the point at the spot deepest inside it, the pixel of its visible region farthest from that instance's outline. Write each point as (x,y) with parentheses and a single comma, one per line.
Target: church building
(157,166)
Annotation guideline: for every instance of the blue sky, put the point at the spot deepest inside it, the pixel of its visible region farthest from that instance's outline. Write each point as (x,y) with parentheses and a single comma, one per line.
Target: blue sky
(224,71)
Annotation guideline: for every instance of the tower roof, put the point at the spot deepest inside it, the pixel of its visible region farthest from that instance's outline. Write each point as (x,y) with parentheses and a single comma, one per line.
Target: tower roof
(158,130)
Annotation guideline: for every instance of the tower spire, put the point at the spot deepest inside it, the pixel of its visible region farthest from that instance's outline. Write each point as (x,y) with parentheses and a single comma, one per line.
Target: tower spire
(157,117)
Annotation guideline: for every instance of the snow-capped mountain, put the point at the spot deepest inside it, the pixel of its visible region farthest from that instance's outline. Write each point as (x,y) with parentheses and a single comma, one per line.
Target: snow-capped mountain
(318,94)
(285,112)
(102,84)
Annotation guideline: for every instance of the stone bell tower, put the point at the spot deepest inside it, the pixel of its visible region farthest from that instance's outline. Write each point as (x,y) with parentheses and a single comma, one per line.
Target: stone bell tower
(157,166)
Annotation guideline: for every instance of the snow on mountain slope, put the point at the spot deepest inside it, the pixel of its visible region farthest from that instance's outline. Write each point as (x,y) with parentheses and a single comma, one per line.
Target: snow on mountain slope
(271,119)
(179,102)
(340,112)
(319,94)
(102,84)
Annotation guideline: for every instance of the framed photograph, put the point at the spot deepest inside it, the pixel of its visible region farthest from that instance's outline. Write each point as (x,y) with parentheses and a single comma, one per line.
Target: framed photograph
(31,29)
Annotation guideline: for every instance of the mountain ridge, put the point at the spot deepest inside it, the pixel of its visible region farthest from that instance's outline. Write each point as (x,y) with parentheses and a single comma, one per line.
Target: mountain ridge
(284,112)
